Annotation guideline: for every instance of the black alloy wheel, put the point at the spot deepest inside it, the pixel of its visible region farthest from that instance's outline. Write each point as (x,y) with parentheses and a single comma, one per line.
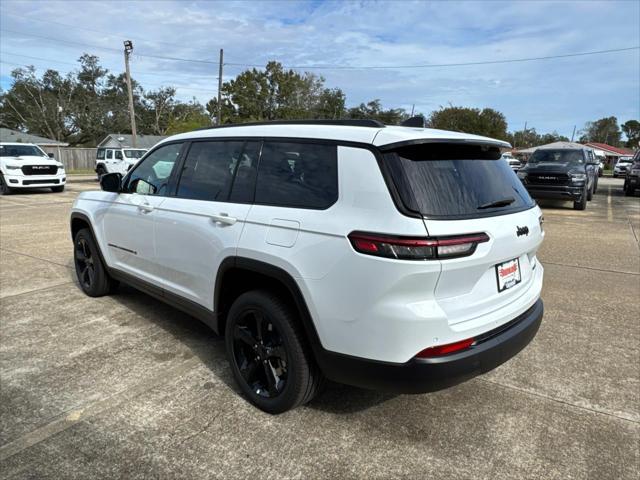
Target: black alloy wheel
(259,354)
(92,275)
(268,352)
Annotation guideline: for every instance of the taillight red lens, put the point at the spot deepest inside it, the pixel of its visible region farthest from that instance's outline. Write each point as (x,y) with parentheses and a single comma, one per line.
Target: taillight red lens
(447,349)
(407,248)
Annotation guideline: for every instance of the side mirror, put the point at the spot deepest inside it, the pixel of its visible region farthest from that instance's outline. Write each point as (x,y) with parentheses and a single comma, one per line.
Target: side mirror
(111,182)
(50,155)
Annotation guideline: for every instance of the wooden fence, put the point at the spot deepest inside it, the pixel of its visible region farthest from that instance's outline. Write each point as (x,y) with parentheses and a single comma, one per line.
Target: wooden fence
(74,158)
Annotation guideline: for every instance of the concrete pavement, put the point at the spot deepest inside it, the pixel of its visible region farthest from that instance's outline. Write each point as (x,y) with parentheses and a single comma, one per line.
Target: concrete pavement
(124,386)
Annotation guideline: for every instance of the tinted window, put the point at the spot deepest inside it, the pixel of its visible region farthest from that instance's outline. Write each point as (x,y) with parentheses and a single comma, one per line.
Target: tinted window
(109,154)
(100,154)
(563,157)
(444,180)
(208,170)
(134,153)
(118,154)
(297,175)
(244,182)
(151,176)
(21,150)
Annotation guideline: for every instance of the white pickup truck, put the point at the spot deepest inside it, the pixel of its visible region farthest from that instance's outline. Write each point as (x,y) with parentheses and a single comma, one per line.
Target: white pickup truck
(117,160)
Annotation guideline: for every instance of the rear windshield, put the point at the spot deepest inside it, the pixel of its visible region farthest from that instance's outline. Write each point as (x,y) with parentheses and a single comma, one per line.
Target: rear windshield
(456,181)
(564,157)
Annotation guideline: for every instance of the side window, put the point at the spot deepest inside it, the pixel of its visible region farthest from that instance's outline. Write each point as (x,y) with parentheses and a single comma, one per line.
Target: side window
(151,176)
(109,154)
(244,182)
(208,170)
(100,155)
(118,154)
(301,175)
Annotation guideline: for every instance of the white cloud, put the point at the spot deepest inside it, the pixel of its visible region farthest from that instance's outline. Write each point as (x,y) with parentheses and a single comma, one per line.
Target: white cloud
(553,94)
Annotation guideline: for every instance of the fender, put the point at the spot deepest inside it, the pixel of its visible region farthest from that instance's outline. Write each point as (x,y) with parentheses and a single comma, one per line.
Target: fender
(284,278)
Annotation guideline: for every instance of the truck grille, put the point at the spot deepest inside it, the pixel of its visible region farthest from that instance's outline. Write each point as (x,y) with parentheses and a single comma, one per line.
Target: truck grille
(549,179)
(40,182)
(39,170)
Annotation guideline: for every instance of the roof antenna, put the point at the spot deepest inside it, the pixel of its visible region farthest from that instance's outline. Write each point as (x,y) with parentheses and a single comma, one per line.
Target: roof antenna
(417,121)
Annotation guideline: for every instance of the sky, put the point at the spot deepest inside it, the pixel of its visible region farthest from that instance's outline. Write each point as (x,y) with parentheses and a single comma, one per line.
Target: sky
(341,41)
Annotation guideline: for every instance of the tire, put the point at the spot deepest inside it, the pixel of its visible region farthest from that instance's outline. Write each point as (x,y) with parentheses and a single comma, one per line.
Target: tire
(582,204)
(100,170)
(590,193)
(4,188)
(629,191)
(90,271)
(268,353)
(58,189)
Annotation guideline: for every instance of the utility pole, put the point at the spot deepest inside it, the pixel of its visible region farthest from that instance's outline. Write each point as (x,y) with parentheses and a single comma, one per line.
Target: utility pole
(219,119)
(574,133)
(413,106)
(128,48)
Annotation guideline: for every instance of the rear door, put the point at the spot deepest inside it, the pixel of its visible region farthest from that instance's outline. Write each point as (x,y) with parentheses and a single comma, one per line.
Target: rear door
(467,190)
(200,225)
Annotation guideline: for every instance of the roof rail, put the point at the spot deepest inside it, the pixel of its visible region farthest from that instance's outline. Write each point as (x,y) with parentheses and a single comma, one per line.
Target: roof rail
(345,122)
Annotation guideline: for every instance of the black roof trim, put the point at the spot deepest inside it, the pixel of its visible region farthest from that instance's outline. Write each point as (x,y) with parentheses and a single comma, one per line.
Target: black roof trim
(347,122)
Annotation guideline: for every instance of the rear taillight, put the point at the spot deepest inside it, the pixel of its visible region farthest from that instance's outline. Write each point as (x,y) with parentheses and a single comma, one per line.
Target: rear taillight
(405,248)
(447,349)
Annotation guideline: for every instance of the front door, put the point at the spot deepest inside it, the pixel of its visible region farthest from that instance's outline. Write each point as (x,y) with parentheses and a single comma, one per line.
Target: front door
(201,225)
(129,221)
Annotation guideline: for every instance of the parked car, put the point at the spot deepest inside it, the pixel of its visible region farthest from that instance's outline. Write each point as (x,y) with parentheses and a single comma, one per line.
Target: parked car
(513,162)
(632,179)
(561,173)
(392,258)
(621,167)
(24,165)
(117,160)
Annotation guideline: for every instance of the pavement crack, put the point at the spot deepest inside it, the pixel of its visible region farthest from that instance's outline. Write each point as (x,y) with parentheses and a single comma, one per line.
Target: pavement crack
(36,258)
(558,400)
(210,422)
(589,268)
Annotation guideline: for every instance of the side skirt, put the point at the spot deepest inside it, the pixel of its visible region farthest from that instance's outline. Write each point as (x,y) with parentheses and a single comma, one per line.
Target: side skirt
(203,314)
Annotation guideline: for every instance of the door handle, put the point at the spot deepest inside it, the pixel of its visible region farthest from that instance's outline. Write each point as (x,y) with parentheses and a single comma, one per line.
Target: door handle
(145,208)
(224,219)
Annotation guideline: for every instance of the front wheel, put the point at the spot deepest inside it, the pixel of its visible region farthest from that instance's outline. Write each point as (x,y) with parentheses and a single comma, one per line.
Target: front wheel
(590,192)
(4,188)
(268,353)
(582,203)
(91,272)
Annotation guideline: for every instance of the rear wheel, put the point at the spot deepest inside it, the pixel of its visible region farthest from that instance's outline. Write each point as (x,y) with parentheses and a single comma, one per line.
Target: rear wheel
(57,189)
(590,192)
(100,170)
(91,272)
(268,353)
(582,203)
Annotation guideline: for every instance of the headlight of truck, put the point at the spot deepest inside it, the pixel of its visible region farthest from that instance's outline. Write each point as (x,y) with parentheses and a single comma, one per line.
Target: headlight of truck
(521,175)
(578,178)
(13,167)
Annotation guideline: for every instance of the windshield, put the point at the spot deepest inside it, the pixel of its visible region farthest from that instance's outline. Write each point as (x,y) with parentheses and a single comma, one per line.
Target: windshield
(459,181)
(557,156)
(134,153)
(21,151)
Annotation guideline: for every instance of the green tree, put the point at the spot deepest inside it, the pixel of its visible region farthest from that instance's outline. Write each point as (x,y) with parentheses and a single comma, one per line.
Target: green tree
(187,117)
(605,130)
(530,138)
(373,110)
(487,121)
(631,129)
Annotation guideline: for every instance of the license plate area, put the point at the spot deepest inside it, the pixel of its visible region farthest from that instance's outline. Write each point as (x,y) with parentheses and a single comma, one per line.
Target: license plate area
(508,274)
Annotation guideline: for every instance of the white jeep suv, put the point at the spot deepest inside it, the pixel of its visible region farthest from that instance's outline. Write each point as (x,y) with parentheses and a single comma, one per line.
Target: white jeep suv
(24,165)
(386,257)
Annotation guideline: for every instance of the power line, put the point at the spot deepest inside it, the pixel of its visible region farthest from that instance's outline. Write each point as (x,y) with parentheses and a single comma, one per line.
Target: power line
(114,50)
(438,65)
(177,87)
(346,67)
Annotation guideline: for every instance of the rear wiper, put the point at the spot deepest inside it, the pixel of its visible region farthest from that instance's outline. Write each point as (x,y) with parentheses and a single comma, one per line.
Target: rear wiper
(498,203)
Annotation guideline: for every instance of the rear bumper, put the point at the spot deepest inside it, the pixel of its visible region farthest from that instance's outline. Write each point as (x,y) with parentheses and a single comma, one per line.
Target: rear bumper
(563,192)
(427,375)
